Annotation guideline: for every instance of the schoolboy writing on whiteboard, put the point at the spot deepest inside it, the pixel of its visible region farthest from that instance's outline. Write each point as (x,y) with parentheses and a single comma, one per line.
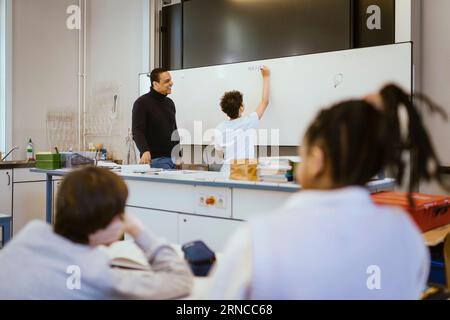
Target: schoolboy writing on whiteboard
(236,137)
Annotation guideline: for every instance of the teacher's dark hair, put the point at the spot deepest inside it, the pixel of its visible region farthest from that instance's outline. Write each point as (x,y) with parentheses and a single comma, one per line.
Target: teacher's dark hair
(155,74)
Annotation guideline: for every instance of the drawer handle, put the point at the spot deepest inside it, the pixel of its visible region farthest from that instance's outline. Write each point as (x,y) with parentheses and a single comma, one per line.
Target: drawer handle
(9,179)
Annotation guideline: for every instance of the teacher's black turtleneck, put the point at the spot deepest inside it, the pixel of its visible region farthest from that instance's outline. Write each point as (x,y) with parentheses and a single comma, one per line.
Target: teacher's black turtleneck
(154,122)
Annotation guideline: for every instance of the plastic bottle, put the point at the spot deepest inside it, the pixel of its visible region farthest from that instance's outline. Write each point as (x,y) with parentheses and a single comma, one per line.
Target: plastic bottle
(104,154)
(30,151)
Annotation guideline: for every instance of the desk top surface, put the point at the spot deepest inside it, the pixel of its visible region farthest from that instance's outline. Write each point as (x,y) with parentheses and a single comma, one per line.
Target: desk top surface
(436,236)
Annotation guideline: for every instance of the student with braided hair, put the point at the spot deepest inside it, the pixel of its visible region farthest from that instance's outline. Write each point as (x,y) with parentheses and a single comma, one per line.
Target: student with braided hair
(330,241)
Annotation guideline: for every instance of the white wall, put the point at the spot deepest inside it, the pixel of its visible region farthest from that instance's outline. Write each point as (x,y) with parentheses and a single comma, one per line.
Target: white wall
(115,56)
(45,64)
(408,28)
(403,23)
(436,74)
(45,59)
(2,75)
(6,73)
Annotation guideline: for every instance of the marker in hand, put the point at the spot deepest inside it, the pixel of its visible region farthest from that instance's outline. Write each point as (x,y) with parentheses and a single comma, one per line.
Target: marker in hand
(265,71)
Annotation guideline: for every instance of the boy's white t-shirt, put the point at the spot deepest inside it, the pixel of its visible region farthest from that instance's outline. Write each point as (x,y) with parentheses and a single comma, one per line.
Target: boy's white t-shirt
(237,138)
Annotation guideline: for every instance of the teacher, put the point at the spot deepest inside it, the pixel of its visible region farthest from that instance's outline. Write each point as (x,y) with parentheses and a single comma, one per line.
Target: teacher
(154,123)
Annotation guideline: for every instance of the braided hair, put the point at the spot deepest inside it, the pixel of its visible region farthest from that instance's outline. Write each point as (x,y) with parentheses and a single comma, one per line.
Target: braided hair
(360,140)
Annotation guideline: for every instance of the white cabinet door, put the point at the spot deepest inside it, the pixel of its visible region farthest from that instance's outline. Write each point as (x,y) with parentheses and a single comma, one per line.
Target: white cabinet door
(29,203)
(25,175)
(256,203)
(161,196)
(56,186)
(6,183)
(214,232)
(163,224)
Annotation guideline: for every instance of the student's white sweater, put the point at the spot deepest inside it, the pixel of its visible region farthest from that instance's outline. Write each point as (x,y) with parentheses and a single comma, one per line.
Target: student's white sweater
(325,245)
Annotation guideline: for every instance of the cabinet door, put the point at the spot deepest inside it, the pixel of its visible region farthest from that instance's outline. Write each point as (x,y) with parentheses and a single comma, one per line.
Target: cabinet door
(214,232)
(29,203)
(5,193)
(256,203)
(6,182)
(56,186)
(162,224)
(25,175)
(161,196)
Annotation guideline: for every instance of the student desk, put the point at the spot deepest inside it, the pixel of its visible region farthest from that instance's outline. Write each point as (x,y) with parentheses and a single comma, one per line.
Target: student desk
(436,236)
(184,206)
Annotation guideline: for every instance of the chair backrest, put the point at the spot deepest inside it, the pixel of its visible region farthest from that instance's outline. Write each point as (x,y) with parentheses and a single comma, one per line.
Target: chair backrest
(447,259)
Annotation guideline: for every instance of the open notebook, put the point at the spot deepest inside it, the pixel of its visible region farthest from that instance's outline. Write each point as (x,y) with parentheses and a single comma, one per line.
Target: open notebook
(126,254)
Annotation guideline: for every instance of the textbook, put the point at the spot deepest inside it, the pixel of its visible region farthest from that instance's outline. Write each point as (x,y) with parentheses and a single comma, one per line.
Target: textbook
(277,169)
(126,254)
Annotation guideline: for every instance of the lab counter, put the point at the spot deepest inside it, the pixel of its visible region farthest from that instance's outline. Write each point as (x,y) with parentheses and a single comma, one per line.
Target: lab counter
(214,179)
(20,164)
(184,206)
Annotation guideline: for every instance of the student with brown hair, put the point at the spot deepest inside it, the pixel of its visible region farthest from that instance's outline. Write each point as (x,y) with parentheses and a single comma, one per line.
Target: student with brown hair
(330,241)
(41,263)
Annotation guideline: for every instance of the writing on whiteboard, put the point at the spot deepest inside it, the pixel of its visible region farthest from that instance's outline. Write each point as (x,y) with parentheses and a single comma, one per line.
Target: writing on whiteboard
(254,68)
(338,79)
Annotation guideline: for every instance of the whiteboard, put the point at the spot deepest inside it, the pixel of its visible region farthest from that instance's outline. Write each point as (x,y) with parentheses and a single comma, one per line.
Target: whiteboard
(300,87)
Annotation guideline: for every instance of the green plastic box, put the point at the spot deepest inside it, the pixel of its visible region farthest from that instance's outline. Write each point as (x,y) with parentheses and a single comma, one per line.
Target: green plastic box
(48,161)
(48,157)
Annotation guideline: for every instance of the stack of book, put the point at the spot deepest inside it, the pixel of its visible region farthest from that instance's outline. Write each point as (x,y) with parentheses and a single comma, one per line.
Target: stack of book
(276,169)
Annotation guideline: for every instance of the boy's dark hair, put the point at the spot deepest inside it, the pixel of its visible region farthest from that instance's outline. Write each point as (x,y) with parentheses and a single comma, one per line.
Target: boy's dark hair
(231,103)
(360,141)
(88,200)
(155,74)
